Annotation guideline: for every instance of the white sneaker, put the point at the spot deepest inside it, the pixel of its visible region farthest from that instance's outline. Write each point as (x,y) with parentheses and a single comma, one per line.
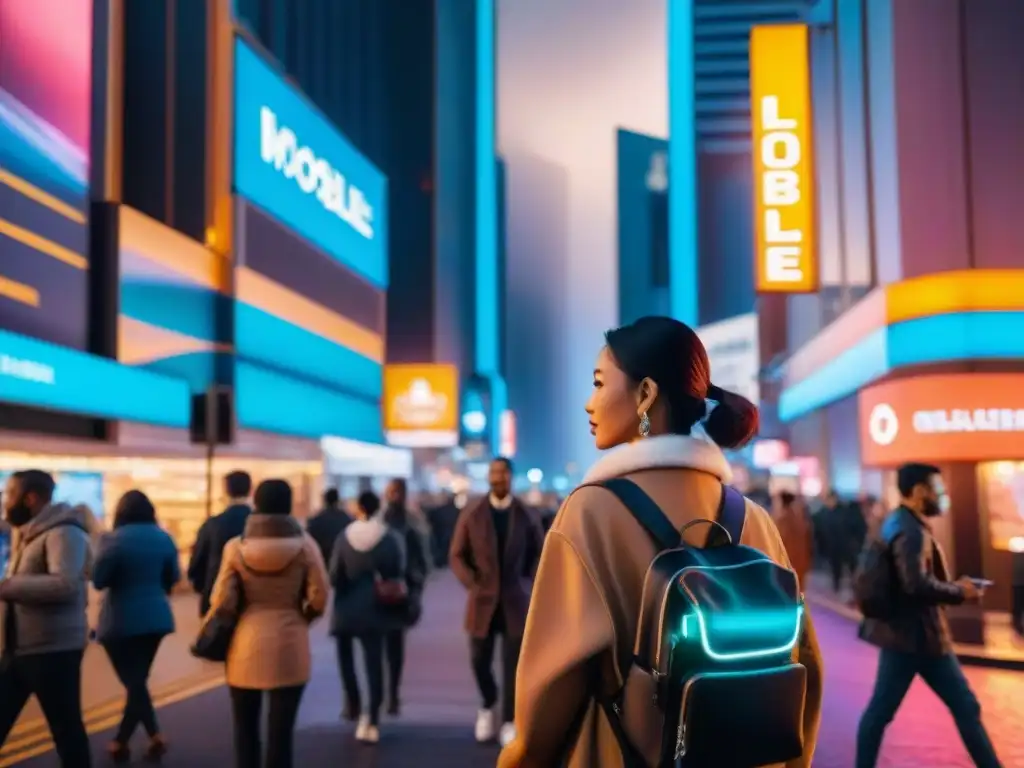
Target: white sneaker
(507,734)
(484,725)
(366,732)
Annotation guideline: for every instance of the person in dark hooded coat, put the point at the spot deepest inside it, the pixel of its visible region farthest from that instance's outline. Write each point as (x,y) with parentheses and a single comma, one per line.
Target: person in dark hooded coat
(368,573)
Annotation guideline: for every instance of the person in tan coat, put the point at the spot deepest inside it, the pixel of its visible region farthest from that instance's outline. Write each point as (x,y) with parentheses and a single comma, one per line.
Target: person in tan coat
(275,576)
(790,516)
(651,383)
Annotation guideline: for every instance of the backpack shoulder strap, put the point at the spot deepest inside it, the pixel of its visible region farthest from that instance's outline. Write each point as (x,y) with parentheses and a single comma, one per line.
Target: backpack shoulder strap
(732,513)
(645,511)
(665,535)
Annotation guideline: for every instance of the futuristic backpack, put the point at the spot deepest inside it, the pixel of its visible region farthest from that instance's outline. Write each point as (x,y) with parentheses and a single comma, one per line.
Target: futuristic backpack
(714,650)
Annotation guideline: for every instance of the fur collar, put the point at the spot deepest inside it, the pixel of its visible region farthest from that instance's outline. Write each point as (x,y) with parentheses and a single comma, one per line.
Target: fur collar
(662,452)
(262,526)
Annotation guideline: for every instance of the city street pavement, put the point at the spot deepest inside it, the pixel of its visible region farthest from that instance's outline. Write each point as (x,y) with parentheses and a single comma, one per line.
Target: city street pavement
(435,729)
(173,667)
(175,673)
(923,734)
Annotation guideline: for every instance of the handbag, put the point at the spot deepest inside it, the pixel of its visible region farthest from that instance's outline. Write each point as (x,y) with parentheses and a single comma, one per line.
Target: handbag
(218,630)
(391,593)
(215,637)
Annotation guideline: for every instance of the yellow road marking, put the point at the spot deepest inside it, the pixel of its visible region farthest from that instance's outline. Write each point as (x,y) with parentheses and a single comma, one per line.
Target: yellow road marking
(113,704)
(43,198)
(37,741)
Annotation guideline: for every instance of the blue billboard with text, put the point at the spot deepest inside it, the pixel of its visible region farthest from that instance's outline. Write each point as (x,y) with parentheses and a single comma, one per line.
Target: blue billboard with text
(294,164)
(43,375)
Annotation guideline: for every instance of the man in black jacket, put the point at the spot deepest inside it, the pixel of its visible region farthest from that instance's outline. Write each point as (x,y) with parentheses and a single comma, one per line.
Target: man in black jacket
(327,524)
(916,641)
(215,533)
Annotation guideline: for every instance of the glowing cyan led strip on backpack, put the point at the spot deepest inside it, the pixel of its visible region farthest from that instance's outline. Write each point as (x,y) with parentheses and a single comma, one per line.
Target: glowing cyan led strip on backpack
(702,628)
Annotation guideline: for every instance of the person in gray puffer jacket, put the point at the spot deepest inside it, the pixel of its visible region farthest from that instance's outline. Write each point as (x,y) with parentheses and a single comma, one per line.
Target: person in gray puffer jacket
(43,624)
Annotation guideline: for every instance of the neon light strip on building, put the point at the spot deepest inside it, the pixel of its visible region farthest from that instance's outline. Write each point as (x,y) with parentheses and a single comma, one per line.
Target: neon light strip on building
(944,317)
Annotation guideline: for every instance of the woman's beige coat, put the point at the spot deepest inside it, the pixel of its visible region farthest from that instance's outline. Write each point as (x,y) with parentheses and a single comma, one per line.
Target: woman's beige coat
(275,576)
(586,597)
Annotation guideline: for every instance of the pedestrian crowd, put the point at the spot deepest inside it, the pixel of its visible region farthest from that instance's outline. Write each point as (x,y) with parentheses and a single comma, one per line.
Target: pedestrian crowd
(657,609)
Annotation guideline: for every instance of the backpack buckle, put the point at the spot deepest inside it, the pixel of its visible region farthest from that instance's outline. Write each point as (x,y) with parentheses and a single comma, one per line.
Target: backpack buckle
(659,679)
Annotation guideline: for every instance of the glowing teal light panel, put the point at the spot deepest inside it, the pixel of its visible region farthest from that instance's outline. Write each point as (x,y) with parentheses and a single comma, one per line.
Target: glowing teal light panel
(682,164)
(487,279)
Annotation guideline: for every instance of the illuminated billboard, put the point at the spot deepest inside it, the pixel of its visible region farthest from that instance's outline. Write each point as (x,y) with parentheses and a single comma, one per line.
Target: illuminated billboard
(783,151)
(45,114)
(262,398)
(42,375)
(301,312)
(421,405)
(290,161)
(941,418)
(174,303)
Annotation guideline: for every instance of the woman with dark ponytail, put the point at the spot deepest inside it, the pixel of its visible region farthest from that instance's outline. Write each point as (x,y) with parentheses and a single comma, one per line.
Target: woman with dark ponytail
(654,402)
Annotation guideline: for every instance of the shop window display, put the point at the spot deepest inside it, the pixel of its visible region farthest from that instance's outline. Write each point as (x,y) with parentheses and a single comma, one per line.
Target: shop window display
(178,487)
(1002,491)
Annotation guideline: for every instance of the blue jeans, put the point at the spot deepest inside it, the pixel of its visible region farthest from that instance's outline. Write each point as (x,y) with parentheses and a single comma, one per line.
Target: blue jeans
(896,671)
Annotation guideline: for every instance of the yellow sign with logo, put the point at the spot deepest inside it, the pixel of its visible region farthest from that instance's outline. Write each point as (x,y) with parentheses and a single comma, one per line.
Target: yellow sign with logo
(783,152)
(422,397)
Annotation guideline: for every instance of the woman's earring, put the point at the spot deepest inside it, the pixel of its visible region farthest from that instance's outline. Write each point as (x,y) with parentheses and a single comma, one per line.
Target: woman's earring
(645,424)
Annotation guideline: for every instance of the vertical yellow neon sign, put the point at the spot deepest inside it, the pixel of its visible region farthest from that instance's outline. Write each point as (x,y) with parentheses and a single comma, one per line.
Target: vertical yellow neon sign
(783,152)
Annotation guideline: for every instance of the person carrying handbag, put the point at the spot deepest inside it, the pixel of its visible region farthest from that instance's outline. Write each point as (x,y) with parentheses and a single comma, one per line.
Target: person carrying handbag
(271,586)
(371,599)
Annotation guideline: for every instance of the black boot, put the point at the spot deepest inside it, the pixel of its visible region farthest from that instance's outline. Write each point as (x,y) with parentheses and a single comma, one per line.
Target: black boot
(394,705)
